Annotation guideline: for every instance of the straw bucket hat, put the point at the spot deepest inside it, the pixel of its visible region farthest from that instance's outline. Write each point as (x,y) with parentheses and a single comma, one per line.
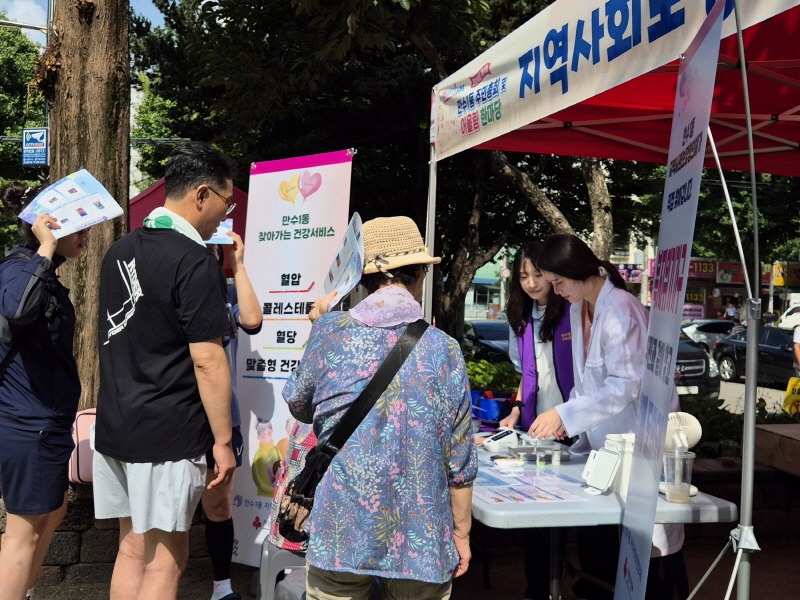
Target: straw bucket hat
(392,242)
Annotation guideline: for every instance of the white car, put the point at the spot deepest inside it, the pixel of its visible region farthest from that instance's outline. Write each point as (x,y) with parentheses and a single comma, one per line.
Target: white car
(707,332)
(790,319)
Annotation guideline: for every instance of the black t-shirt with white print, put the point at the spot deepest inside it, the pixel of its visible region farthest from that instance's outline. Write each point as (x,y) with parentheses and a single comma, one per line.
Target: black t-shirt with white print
(159,292)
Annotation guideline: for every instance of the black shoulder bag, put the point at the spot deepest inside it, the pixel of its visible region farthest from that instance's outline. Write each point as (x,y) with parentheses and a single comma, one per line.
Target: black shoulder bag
(298,500)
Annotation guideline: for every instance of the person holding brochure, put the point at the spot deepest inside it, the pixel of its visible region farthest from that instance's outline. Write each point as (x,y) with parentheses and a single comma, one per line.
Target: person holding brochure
(39,391)
(162,304)
(540,346)
(244,311)
(394,506)
(609,343)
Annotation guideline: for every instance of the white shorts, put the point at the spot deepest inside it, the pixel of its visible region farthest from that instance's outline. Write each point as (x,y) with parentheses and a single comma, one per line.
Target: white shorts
(154,495)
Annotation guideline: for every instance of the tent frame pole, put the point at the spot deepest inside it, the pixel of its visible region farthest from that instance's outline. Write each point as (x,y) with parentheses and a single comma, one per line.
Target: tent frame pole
(746,536)
(430,231)
(743,537)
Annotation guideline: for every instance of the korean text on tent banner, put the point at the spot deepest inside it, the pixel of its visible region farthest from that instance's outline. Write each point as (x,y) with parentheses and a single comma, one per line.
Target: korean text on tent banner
(296,217)
(679,209)
(567,53)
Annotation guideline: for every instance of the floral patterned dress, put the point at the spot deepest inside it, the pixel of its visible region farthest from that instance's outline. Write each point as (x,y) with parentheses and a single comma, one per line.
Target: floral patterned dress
(383,507)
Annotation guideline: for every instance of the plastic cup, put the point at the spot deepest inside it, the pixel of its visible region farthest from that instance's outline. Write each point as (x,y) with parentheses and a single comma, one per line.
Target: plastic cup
(728,451)
(678,475)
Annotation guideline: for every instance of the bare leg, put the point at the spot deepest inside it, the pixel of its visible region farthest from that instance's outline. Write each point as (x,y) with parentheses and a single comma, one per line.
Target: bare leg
(25,544)
(218,501)
(129,566)
(165,559)
(53,521)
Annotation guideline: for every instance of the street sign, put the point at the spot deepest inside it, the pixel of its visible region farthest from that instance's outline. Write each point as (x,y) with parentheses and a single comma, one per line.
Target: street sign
(505,273)
(35,147)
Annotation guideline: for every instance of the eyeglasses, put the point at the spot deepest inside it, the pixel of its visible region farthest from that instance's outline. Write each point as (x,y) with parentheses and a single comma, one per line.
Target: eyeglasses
(228,201)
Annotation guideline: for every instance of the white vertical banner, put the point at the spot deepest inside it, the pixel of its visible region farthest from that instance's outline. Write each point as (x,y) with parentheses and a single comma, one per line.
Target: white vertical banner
(296,217)
(679,209)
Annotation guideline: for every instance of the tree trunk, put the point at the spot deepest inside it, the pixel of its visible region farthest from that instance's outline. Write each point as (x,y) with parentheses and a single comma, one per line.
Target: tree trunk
(467,259)
(535,195)
(602,221)
(87,84)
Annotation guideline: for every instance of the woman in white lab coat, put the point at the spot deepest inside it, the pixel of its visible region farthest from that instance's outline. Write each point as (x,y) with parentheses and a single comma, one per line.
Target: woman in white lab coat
(609,342)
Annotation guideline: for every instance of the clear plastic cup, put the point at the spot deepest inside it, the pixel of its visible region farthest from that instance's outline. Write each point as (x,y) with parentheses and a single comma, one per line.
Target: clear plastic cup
(678,475)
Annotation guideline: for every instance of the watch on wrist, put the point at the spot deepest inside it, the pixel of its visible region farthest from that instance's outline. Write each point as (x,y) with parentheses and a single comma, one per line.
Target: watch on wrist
(516,403)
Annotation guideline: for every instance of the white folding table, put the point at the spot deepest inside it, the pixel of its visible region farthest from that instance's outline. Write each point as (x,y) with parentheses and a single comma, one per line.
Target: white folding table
(605,509)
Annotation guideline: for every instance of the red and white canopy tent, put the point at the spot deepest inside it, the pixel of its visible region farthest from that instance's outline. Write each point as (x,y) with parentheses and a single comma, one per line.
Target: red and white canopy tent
(598,78)
(622,108)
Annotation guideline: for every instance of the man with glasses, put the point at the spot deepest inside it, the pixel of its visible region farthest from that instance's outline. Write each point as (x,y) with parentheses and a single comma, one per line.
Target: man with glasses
(165,384)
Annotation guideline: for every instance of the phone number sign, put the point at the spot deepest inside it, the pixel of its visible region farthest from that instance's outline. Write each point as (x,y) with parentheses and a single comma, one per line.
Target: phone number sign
(35,147)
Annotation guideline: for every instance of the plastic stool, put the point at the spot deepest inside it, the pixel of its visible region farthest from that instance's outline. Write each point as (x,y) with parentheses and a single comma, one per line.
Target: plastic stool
(274,561)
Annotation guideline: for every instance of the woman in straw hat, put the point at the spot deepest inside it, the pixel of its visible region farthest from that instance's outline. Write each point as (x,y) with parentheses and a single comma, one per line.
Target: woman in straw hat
(395,502)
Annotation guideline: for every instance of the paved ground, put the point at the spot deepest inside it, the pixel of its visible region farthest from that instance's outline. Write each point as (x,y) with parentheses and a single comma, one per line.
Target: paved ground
(773,575)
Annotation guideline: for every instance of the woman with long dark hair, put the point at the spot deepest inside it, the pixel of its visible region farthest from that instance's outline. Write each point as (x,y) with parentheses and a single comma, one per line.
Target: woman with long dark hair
(541,345)
(541,349)
(609,343)
(39,391)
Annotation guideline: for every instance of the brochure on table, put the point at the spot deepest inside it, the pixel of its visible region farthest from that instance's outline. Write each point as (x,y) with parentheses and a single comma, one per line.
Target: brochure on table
(499,484)
(78,201)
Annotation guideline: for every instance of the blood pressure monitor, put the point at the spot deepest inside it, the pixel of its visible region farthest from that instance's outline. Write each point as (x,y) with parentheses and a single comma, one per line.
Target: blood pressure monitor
(500,441)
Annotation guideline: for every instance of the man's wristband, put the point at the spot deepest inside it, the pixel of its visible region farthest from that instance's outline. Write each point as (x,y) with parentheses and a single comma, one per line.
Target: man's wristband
(516,404)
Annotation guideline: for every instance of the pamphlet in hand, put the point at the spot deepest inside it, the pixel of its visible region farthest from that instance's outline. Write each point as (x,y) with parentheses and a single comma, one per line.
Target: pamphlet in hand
(221,234)
(78,201)
(348,264)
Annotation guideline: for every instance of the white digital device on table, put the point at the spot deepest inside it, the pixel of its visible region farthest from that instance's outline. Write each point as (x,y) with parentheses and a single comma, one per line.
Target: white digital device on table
(502,440)
(600,470)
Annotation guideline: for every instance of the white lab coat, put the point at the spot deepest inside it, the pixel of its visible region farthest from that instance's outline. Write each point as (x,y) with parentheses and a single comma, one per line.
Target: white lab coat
(608,378)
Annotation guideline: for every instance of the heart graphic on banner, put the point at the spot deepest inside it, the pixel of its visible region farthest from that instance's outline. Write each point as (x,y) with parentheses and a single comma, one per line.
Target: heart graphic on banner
(288,190)
(309,183)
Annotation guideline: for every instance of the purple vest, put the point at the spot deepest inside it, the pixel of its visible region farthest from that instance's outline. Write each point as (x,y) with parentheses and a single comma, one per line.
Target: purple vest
(562,359)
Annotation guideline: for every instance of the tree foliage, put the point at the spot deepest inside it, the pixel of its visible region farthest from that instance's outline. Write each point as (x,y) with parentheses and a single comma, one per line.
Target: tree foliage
(276,79)
(21,106)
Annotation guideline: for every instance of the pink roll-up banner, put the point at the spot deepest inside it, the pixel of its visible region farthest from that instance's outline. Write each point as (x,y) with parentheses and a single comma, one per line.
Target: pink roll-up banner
(296,216)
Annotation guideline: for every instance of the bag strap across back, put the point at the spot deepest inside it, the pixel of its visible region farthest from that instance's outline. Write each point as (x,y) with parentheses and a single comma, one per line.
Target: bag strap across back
(16,343)
(377,385)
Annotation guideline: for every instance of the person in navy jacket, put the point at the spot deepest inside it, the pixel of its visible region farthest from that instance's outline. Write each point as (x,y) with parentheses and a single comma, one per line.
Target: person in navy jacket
(39,390)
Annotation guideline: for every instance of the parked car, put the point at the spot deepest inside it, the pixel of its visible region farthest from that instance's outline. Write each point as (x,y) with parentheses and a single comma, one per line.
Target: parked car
(790,318)
(775,356)
(707,331)
(696,372)
(487,339)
